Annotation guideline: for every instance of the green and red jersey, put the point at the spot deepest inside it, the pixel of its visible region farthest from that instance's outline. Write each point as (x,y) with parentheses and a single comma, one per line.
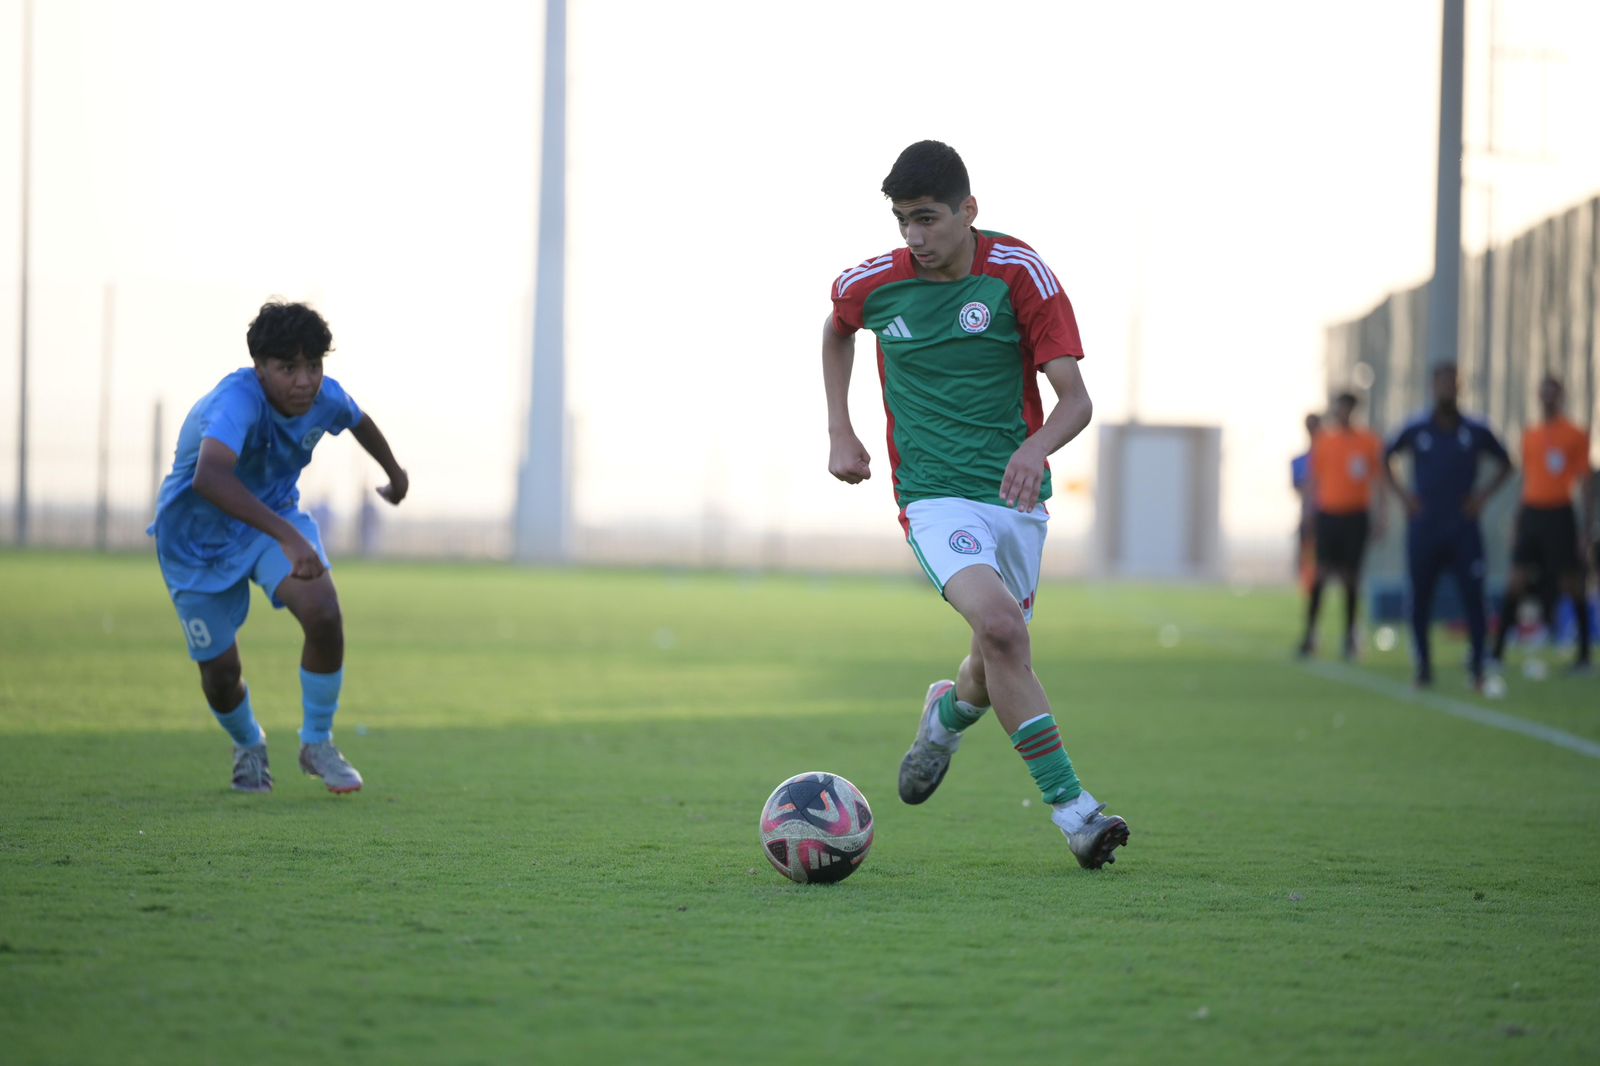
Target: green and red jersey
(958,362)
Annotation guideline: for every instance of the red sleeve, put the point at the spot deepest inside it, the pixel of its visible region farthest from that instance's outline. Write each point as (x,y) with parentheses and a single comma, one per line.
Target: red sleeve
(1044,314)
(850,291)
(1052,332)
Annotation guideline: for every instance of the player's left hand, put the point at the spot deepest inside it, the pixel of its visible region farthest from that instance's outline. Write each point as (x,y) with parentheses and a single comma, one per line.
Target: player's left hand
(396,489)
(1024,477)
(1474,506)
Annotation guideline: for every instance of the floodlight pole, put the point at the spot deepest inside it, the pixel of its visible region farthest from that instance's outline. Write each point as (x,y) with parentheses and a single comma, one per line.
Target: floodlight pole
(102,493)
(22,274)
(1444,295)
(157,454)
(543,489)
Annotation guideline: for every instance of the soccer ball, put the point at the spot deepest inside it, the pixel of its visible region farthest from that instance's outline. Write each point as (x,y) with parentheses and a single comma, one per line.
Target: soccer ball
(816,827)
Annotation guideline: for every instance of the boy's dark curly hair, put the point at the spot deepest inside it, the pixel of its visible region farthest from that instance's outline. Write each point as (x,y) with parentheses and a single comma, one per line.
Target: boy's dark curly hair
(932,169)
(283,330)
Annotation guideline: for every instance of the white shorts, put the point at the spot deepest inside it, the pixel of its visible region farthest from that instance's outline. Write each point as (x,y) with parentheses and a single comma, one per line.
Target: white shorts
(952,534)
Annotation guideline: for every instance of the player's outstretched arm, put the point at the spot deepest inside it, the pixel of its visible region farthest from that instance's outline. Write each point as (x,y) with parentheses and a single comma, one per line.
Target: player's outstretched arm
(216,483)
(1024,476)
(370,437)
(847,456)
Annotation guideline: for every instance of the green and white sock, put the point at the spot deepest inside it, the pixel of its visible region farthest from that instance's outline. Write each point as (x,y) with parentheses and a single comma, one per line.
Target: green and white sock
(952,717)
(1038,741)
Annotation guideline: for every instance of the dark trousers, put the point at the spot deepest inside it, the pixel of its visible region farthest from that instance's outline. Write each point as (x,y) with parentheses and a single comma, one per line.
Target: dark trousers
(1455,549)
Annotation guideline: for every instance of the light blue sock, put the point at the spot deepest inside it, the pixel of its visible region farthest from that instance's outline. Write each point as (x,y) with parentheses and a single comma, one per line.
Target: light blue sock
(241,723)
(319,693)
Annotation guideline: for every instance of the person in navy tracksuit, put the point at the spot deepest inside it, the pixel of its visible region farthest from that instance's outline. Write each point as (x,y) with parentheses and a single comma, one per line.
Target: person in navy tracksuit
(1444,504)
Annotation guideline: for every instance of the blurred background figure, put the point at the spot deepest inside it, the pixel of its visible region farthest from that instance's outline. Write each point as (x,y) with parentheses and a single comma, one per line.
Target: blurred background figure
(1548,549)
(1443,503)
(1305,557)
(1343,467)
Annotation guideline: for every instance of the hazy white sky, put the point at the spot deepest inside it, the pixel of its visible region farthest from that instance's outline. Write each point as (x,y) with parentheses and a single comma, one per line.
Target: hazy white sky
(1241,173)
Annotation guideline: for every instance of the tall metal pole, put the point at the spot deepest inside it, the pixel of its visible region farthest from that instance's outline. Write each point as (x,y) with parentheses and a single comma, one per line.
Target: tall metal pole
(1487,318)
(543,491)
(158,456)
(22,299)
(102,495)
(1444,295)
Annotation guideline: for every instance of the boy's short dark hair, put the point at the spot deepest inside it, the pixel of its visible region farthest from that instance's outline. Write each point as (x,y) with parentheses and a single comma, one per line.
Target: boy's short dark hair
(932,169)
(1347,398)
(283,330)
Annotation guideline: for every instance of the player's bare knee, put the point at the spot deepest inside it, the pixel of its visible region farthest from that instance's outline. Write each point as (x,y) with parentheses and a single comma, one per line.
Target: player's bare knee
(1003,635)
(323,621)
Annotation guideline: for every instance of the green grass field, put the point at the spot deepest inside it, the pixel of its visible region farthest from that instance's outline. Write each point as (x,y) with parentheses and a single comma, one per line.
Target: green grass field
(555,857)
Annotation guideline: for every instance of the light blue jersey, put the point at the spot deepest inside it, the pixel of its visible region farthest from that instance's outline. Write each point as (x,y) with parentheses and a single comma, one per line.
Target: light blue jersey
(201,549)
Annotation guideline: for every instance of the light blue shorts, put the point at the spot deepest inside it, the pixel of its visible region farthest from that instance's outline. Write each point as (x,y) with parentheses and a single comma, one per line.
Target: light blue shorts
(212,619)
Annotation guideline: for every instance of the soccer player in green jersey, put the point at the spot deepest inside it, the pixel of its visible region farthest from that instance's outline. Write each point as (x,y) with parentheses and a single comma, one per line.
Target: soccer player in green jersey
(965,319)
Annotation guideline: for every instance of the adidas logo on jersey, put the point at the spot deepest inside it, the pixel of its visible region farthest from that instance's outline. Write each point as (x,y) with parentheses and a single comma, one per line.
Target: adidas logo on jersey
(898,329)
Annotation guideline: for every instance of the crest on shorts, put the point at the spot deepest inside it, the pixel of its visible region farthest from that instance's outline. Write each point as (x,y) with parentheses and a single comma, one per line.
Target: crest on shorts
(965,543)
(974,317)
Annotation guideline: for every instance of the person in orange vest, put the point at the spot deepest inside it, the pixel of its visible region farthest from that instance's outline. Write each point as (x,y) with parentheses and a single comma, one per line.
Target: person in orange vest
(1547,546)
(1345,463)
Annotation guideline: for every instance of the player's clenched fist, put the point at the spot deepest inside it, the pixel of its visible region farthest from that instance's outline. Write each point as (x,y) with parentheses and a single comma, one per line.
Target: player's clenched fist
(848,459)
(396,489)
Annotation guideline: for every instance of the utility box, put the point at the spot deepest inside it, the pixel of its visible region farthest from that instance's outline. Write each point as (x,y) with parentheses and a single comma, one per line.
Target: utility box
(1157,501)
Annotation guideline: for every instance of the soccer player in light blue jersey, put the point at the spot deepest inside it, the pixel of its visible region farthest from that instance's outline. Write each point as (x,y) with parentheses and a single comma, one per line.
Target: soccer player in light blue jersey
(229,514)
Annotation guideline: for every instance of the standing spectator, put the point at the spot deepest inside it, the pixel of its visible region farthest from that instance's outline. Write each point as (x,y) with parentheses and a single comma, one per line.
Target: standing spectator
(1444,503)
(1547,548)
(1344,464)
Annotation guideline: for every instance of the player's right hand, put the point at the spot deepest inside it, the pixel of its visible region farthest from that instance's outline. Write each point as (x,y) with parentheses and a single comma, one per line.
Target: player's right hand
(304,562)
(396,489)
(848,459)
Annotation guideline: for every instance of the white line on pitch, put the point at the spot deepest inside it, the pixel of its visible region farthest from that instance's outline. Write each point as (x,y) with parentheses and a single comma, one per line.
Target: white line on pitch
(1239,643)
(1349,675)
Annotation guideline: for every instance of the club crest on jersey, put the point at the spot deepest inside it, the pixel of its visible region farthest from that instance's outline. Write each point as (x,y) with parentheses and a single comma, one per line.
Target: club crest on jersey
(313,435)
(974,317)
(965,543)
